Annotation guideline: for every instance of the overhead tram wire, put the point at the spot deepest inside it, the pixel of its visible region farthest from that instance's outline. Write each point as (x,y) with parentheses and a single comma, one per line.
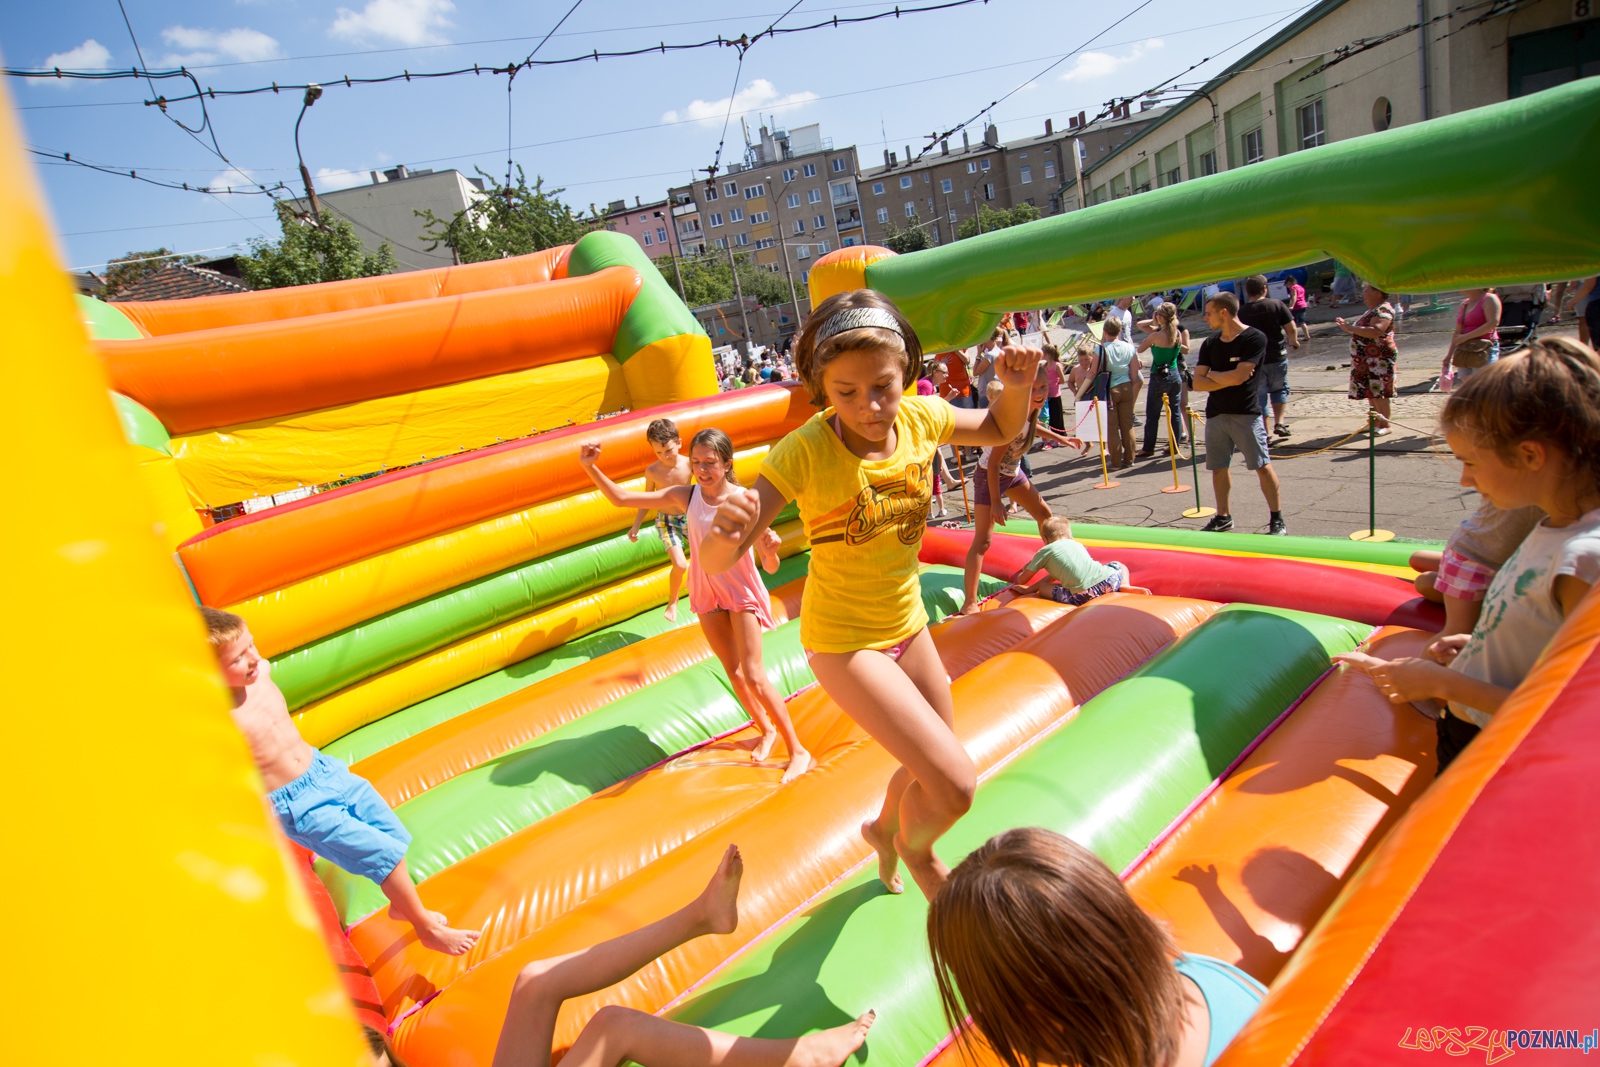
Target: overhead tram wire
(209,93)
(62,159)
(511,77)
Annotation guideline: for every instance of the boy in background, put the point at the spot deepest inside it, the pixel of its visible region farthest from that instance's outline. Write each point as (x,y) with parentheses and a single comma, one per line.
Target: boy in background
(670,468)
(318,802)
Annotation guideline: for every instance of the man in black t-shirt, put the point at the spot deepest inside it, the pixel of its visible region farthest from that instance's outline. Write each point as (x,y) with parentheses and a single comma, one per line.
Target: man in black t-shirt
(1228,365)
(1272,377)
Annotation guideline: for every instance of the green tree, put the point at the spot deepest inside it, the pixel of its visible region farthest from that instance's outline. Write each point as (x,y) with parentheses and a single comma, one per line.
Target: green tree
(707,279)
(910,238)
(306,254)
(123,272)
(989,219)
(510,220)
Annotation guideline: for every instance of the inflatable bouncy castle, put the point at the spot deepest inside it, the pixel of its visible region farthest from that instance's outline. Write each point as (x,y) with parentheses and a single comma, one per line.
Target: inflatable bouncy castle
(457,613)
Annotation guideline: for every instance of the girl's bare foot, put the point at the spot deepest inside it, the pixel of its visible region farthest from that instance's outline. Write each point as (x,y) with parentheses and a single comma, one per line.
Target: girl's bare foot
(799,763)
(831,1047)
(888,858)
(672,611)
(927,870)
(719,902)
(442,937)
(763,747)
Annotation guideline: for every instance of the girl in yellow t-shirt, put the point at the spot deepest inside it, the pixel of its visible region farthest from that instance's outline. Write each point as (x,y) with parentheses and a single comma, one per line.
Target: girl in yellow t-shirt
(861,472)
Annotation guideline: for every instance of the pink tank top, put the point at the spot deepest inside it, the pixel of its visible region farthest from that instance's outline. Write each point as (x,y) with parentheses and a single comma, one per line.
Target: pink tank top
(1468,320)
(737,589)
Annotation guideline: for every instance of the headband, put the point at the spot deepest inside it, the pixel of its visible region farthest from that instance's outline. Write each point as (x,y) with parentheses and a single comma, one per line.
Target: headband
(858,319)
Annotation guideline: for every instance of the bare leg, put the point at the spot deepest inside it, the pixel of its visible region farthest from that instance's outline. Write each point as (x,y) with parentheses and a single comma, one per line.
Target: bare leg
(433,929)
(718,628)
(1270,488)
(619,1035)
(1026,495)
(982,529)
(675,580)
(746,632)
(1424,586)
(541,986)
(1460,616)
(1380,404)
(1221,486)
(891,702)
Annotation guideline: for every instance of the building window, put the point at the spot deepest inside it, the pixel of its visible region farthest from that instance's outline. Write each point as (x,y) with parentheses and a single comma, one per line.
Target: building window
(988,191)
(972,167)
(819,222)
(789,174)
(946,185)
(731,188)
(647,238)
(905,181)
(983,164)
(911,209)
(952,216)
(720,242)
(877,188)
(753,191)
(1382,114)
(883,214)
(793,200)
(814,196)
(846,242)
(765,242)
(1119,186)
(1253,146)
(711,192)
(969,195)
(1099,194)
(842,191)
(809,170)
(838,166)
(761,216)
(1309,118)
(716,218)
(822,248)
(805,277)
(1049,168)
(799,226)
(802,251)
(741,239)
(1208,163)
(1027,175)
(661,234)
(736,215)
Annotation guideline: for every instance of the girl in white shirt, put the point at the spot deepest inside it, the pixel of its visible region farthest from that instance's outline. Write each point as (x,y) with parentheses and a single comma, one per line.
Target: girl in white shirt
(1527,432)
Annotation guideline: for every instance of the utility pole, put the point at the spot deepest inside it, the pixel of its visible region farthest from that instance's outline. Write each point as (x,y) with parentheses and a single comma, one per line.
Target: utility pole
(673,250)
(783,244)
(313,93)
(1077,172)
(738,293)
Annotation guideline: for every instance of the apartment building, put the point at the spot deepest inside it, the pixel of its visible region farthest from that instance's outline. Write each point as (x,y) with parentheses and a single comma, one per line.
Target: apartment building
(648,224)
(1347,68)
(384,210)
(793,198)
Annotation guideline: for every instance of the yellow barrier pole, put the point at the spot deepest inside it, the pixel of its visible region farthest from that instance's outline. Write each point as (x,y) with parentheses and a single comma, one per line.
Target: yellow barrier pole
(1105,471)
(1172,445)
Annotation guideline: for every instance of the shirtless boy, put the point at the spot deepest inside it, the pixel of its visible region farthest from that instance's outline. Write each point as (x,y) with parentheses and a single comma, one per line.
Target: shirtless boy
(670,468)
(320,804)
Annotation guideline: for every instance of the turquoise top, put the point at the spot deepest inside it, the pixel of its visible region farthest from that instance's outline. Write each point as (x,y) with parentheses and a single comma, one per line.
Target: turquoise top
(1231,997)
(1119,354)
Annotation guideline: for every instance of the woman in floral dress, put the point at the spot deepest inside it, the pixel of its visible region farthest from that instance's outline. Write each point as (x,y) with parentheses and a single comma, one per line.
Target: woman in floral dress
(1373,354)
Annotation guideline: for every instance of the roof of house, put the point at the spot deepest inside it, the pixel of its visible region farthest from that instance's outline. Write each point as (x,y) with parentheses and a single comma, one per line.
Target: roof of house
(1309,18)
(176,281)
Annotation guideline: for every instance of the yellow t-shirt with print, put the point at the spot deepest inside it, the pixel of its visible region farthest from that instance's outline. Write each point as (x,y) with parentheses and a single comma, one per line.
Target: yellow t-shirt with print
(865,521)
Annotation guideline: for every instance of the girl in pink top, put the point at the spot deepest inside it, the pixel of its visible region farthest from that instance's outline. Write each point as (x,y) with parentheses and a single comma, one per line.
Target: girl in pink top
(733,607)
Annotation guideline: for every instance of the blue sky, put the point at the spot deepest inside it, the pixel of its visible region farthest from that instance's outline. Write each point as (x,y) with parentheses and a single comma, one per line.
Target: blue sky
(610,130)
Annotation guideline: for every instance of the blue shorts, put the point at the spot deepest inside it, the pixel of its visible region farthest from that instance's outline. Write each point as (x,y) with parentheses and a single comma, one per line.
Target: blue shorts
(342,819)
(1274,387)
(1062,595)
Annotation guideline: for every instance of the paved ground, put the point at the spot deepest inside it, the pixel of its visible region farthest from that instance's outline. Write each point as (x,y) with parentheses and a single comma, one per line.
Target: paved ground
(1324,494)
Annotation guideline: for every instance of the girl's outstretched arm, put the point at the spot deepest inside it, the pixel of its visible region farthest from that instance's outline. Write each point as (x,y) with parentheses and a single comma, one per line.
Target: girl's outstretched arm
(740,520)
(999,423)
(673,499)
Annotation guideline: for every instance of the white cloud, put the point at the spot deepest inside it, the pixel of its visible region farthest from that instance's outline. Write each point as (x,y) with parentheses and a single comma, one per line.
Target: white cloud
(240,45)
(1093,65)
(411,22)
(328,179)
(90,55)
(759,94)
(233,178)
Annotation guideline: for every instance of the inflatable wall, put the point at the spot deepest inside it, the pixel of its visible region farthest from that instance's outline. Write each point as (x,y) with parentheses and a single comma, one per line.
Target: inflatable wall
(473,631)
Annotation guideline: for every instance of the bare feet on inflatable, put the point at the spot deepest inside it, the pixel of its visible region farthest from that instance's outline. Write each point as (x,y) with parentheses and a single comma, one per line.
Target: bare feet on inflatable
(927,869)
(763,747)
(671,613)
(442,937)
(888,858)
(831,1047)
(799,763)
(719,902)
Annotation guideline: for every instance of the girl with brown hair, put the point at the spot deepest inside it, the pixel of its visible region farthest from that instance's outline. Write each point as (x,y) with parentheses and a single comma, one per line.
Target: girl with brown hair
(733,606)
(861,472)
(1036,942)
(1527,432)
